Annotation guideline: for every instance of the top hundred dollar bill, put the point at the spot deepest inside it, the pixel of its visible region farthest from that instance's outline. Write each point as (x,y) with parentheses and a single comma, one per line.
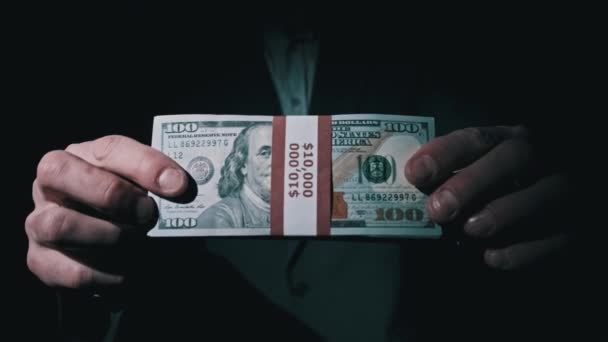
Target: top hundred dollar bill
(295,175)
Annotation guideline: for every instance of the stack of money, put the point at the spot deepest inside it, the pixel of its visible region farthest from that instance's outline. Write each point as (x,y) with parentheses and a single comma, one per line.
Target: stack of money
(295,175)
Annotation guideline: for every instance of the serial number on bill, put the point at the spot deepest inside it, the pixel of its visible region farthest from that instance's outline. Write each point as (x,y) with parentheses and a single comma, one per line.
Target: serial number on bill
(198,143)
(384,197)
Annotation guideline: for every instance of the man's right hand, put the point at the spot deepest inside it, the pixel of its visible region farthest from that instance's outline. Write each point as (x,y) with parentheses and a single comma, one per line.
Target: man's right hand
(91,199)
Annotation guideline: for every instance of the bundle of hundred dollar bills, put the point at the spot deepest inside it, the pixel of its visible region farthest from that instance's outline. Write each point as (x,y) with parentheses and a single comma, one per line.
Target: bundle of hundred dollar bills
(295,175)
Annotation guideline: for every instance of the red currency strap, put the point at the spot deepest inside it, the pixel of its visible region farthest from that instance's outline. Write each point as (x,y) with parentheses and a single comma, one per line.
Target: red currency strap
(278,175)
(323,176)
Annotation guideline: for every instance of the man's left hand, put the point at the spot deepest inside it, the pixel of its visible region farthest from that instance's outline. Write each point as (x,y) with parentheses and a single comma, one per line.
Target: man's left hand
(476,177)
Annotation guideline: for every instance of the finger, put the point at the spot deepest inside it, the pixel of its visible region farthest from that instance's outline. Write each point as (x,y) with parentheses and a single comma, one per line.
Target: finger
(37,194)
(54,225)
(508,210)
(135,161)
(43,197)
(440,157)
(525,253)
(56,269)
(459,192)
(62,172)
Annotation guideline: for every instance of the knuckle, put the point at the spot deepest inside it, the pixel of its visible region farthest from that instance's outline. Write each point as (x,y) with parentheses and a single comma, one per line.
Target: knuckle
(36,264)
(32,261)
(482,137)
(89,171)
(30,225)
(72,148)
(472,132)
(105,146)
(35,185)
(79,276)
(519,149)
(51,166)
(50,226)
(113,191)
(462,185)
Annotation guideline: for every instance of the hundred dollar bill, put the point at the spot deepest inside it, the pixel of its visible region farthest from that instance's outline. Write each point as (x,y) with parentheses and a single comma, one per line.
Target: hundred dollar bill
(371,195)
(264,175)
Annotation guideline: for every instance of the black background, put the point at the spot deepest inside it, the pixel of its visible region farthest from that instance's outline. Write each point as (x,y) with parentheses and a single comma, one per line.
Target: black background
(72,69)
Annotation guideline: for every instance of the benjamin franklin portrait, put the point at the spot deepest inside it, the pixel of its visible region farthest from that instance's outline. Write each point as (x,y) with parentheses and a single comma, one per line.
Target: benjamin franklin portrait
(244,185)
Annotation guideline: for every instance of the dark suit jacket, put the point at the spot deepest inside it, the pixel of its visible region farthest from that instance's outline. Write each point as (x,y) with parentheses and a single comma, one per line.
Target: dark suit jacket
(359,289)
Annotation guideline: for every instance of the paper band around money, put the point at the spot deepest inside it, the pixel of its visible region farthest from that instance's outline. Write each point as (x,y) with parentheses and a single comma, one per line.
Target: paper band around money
(306,173)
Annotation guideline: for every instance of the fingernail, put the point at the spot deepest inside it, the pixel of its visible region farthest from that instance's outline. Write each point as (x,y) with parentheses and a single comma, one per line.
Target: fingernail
(480,224)
(145,210)
(171,180)
(444,204)
(422,170)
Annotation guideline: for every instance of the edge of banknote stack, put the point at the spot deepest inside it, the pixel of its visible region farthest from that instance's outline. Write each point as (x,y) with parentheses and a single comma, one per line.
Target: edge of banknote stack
(327,175)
